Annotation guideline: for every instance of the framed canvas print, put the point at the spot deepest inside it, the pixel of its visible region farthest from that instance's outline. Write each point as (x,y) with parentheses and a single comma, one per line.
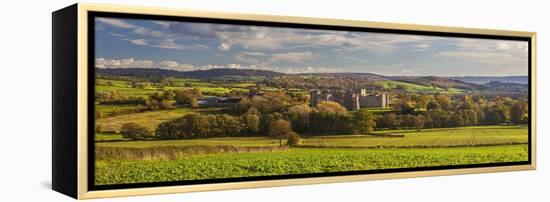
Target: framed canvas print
(151,101)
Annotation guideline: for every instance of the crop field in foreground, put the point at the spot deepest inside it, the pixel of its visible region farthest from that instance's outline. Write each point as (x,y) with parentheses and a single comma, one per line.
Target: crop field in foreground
(296,161)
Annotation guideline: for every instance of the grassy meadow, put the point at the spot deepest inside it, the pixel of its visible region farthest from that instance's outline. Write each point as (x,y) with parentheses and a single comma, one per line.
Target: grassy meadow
(178,83)
(441,137)
(416,88)
(149,119)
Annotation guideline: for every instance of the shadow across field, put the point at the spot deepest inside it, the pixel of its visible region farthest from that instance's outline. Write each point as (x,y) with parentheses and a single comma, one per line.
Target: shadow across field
(500,127)
(173,152)
(408,147)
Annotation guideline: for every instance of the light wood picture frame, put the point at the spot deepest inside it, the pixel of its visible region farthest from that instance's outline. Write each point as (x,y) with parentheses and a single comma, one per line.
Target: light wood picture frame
(129,83)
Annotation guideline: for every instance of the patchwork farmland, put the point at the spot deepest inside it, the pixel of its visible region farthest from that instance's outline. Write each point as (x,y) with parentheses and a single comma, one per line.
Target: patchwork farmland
(172,128)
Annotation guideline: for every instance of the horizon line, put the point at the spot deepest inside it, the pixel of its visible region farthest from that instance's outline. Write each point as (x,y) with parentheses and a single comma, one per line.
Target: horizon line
(311,72)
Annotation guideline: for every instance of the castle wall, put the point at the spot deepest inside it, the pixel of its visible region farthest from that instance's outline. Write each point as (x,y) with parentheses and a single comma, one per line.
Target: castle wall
(349,99)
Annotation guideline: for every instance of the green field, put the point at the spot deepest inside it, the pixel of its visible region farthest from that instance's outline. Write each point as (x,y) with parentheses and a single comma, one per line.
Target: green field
(209,89)
(296,161)
(193,82)
(446,137)
(205,87)
(108,137)
(415,88)
(149,119)
(441,137)
(127,90)
(210,158)
(109,109)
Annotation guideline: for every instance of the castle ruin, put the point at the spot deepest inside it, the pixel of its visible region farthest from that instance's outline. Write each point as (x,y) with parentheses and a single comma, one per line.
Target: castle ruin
(350,99)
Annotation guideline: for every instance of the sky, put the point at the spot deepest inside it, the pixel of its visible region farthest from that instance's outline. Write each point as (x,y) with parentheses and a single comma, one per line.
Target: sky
(188,46)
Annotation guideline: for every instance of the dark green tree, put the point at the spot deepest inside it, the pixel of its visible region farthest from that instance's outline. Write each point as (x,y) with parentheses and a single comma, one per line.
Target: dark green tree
(519,113)
(134,131)
(419,122)
(363,122)
(280,129)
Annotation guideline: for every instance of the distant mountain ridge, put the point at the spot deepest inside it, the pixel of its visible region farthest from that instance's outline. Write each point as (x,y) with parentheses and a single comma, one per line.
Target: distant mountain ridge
(463,81)
(369,76)
(469,83)
(488,79)
(211,73)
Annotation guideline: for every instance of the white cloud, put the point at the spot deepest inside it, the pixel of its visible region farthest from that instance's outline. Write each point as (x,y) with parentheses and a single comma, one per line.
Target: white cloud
(141,42)
(157,38)
(295,57)
(256,58)
(266,38)
(142,31)
(117,35)
(173,65)
(491,58)
(490,45)
(509,56)
(169,44)
(224,46)
(162,23)
(256,38)
(421,47)
(157,34)
(147,64)
(259,58)
(355,59)
(254,53)
(165,64)
(123,63)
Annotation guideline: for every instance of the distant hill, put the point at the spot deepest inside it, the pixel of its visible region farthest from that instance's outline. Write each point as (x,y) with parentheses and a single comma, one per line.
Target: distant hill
(507,86)
(440,82)
(368,76)
(211,73)
(487,79)
(223,73)
(420,83)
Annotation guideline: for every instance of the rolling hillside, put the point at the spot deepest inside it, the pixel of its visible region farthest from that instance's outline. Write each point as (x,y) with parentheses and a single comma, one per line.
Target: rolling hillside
(417,84)
(488,79)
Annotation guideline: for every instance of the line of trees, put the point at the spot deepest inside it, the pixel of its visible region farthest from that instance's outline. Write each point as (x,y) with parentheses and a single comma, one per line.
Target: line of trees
(442,111)
(281,116)
(200,126)
(328,118)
